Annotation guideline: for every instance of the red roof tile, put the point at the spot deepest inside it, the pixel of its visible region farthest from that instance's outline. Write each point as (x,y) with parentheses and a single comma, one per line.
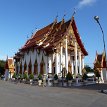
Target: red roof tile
(55,32)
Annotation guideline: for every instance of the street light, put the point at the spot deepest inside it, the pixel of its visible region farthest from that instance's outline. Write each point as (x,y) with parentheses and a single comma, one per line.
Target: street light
(97,20)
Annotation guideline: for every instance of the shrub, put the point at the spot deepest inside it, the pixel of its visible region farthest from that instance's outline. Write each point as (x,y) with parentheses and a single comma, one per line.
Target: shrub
(55,77)
(19,75)
(40,77)
(69,76)
(84,77)
(14,75)
(25,76)
(31,76)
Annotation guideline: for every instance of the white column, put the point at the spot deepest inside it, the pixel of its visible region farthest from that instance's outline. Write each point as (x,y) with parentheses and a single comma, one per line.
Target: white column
(50,65)
(72,63)
(82,62)
(56,63)
(80,70)
(66,54)
(46,64)
(61,58)
(76,66)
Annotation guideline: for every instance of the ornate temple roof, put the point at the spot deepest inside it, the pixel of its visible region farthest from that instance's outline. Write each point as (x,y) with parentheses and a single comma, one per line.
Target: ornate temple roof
(51,35)
(100,61)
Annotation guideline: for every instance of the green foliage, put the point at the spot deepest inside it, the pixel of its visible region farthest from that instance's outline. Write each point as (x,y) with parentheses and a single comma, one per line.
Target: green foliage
(2,67)
(31,76)
(84,77)
(14,75)
(19,75)
(55,77)
(88,69)
(97,73)
(69,76)
(40,77)
(25,76)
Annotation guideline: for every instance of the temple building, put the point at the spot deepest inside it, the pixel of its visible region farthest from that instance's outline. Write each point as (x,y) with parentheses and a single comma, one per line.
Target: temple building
(52,48)
(100,64)
(9,68)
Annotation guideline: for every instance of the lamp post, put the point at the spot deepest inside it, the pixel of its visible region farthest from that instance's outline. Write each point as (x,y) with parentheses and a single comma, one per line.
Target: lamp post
(97,20)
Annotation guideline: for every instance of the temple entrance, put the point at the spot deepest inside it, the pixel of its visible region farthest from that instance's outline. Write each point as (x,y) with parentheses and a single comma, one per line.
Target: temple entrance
(42,67)
(16,69)
(53,68)
(30,68)
(21,68)
(25,66)
(64,72)
(35,69)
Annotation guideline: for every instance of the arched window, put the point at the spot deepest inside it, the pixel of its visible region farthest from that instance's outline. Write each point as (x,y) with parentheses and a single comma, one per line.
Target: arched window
(21,68)
(30,67)
(53,68)
(35,68)
(42,67)
(25,66)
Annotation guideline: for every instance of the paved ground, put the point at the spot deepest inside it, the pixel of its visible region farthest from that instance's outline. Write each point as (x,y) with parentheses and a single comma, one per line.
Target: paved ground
(23,95)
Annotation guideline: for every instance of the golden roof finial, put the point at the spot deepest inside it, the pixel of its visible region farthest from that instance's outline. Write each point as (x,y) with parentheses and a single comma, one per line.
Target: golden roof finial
(74,12)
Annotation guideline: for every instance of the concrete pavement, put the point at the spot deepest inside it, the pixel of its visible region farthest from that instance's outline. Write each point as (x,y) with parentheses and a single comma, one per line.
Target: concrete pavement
(23,95)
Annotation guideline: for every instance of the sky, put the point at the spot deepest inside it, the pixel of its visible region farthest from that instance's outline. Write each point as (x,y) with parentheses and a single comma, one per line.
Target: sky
(20,18)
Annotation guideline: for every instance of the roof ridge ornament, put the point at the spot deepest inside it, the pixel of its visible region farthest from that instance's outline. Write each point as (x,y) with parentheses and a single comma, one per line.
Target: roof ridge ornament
(55,21)
(72,18)
(74,12)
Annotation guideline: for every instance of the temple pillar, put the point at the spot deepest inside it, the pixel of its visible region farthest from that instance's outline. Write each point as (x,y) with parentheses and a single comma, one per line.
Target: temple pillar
(76,65)
(61,58)
(80,70)
(82,62)
(66,54)
(50,65)
(72,64)
(56,62)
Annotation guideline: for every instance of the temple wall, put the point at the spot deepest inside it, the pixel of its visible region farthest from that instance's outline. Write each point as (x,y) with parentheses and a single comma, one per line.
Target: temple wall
(33,55)
(40,55)
(104,74)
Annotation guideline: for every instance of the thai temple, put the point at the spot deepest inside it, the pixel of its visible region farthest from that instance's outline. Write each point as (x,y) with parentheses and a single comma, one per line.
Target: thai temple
(100,64)
(52,48)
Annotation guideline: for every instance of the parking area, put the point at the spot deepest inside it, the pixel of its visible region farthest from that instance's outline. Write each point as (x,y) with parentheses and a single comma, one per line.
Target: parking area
(24,95)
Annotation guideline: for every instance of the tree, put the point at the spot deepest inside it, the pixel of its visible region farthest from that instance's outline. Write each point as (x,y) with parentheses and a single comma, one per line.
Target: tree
(2,67)
(84,77)
(88,69)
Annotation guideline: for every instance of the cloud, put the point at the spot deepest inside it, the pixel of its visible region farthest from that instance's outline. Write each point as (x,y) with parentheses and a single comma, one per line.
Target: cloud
(84,3)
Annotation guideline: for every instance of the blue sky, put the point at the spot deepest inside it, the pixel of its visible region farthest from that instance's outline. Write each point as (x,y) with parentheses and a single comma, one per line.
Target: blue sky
(19,18)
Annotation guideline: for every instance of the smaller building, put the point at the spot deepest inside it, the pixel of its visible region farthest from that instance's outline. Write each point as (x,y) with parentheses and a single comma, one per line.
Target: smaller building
(9,68)
(100,64)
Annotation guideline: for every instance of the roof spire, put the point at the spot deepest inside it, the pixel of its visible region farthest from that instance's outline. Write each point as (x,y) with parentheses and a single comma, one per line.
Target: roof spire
(62,22)
(72,18)
(56,18)
(74,12)
(55,21)
(64,15)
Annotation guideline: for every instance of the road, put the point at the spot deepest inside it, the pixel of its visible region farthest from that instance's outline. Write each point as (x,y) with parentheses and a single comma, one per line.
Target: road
(24,95)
